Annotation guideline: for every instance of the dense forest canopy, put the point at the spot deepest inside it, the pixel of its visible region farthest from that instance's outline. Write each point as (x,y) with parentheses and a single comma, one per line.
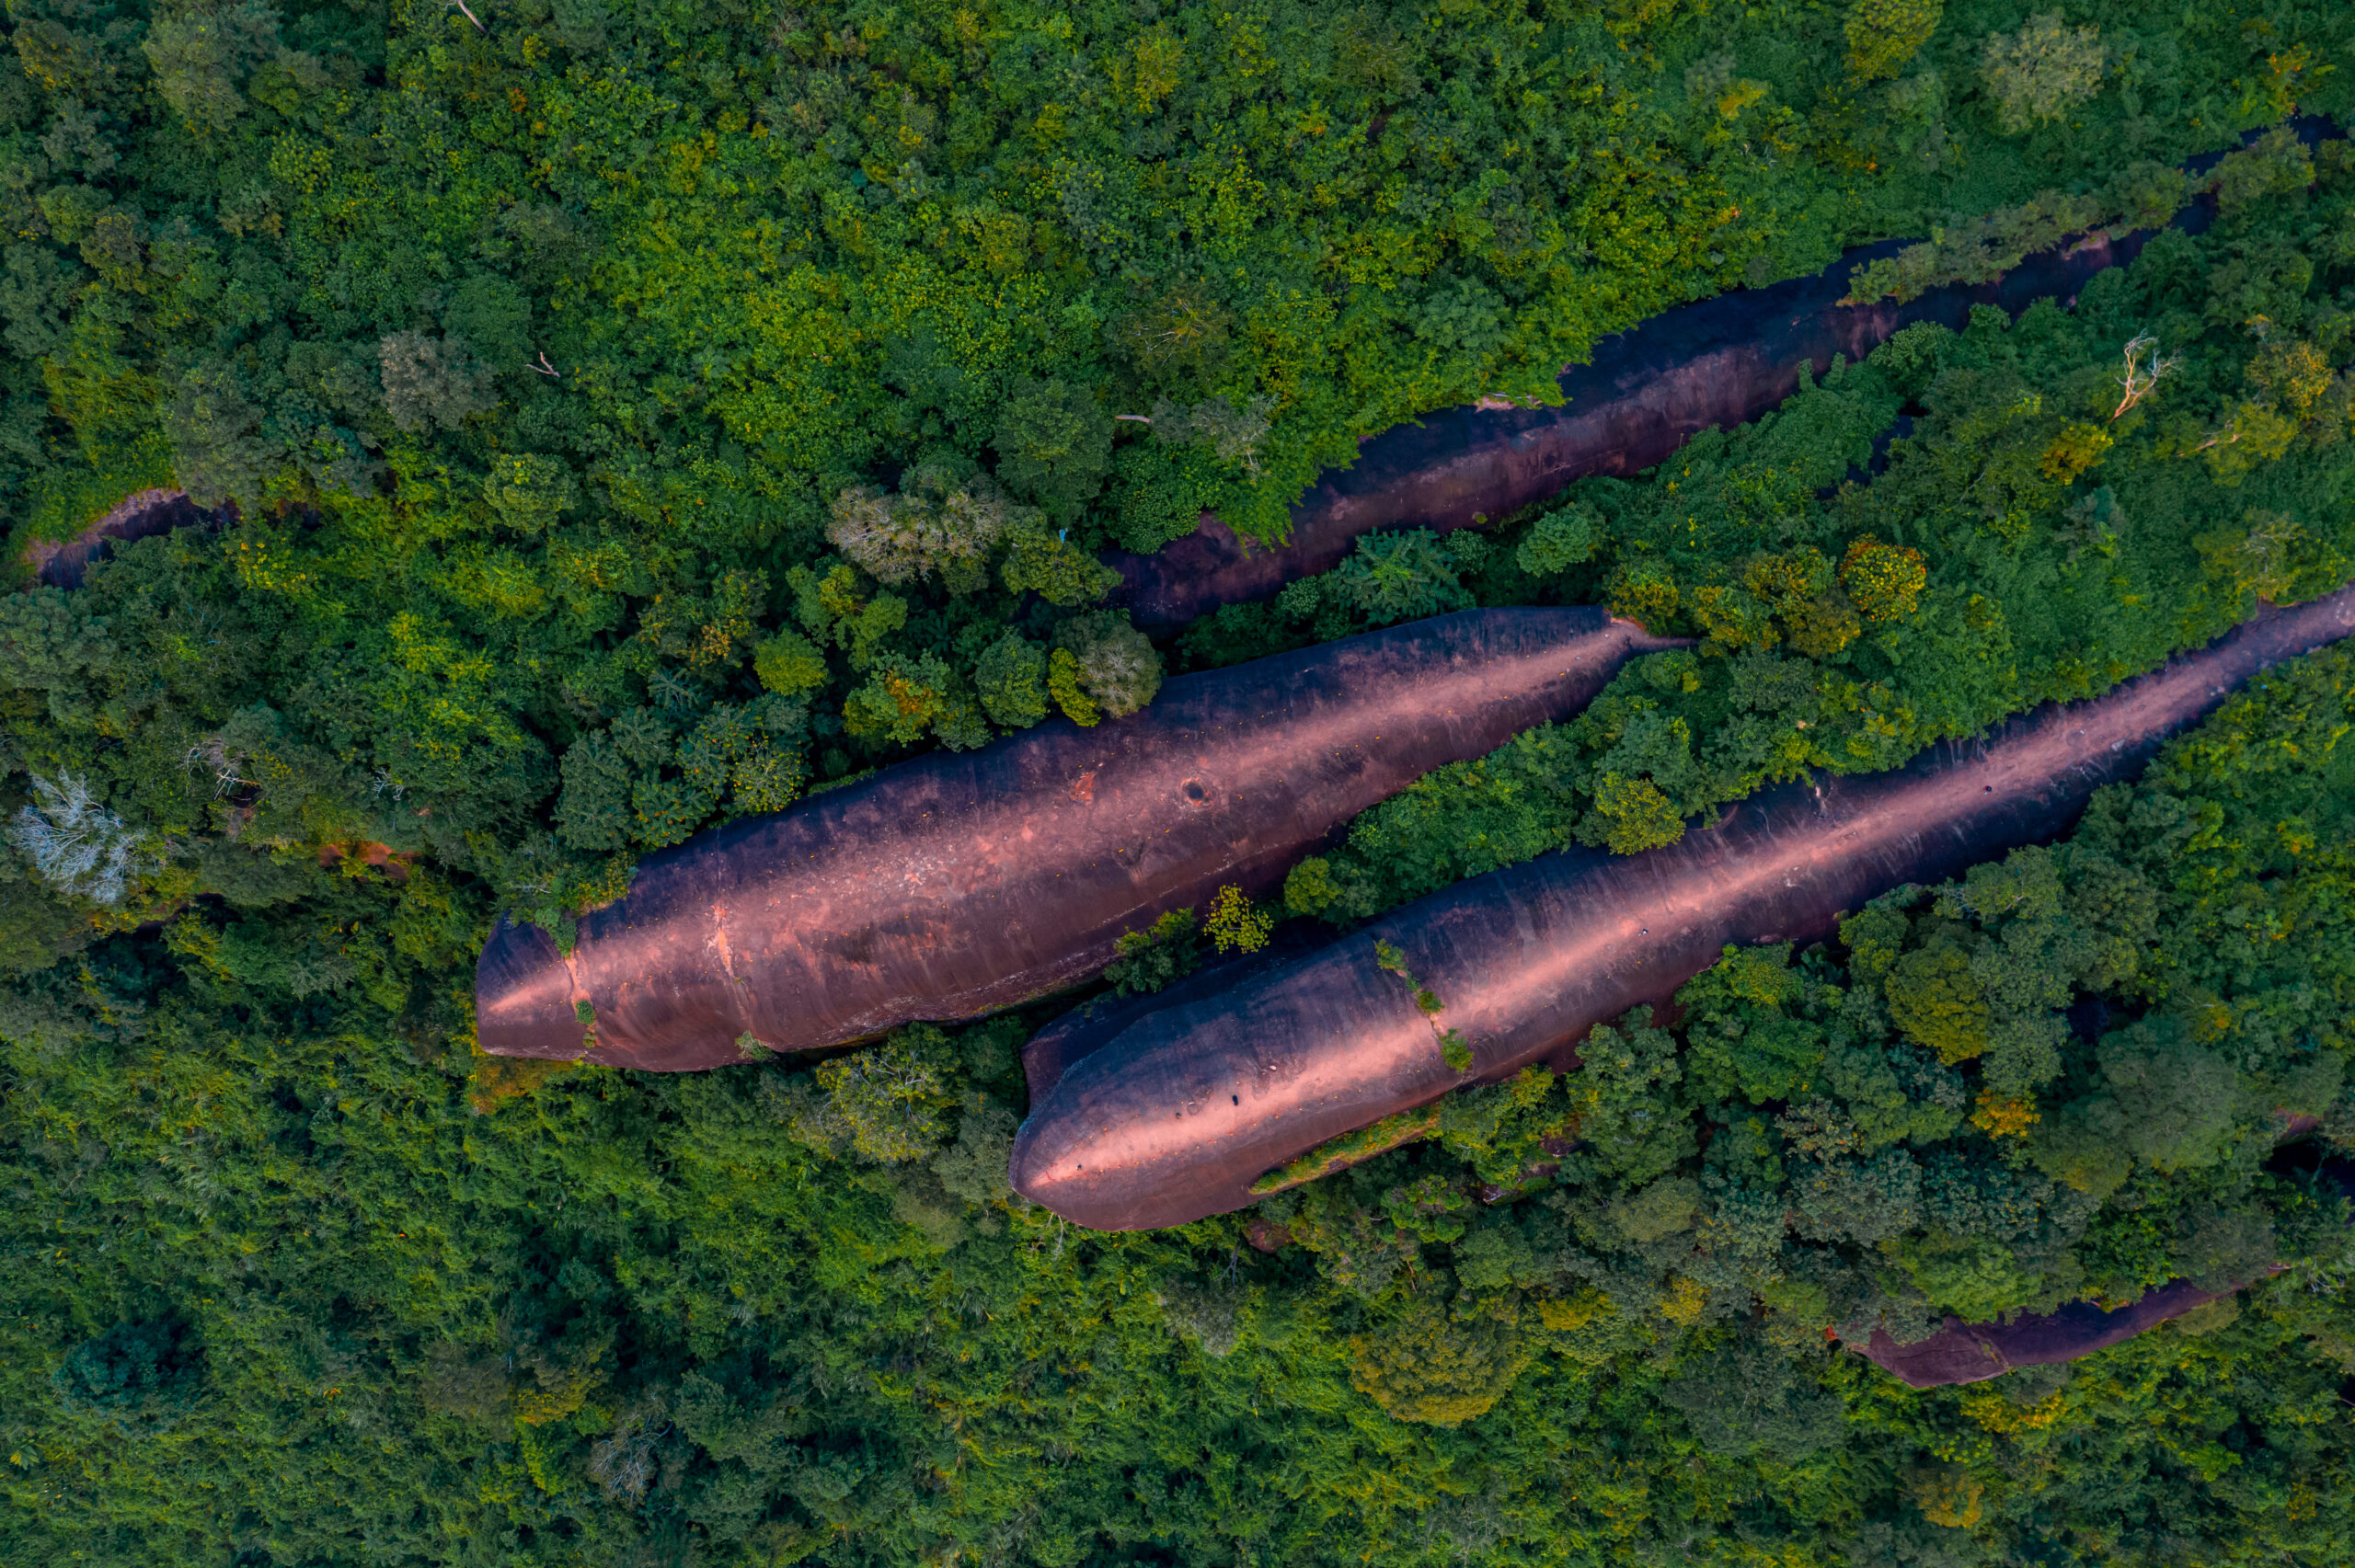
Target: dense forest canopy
(616,420)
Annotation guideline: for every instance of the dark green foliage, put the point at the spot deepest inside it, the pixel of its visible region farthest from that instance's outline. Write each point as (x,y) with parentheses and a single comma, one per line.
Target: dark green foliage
(639,415)
(2007,558)
(1012,678)
(137,1377)
(1150,959)
(1053,443)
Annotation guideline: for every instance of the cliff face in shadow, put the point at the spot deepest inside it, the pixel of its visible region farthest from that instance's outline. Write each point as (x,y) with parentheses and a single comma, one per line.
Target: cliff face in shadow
(959,883)
(1972,1353)
(139,516)
(1716,363)
(1173,1115)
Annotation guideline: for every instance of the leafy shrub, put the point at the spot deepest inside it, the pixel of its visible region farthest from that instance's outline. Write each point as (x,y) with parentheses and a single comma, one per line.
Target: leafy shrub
(2041,72)
(1885,35)
(1106,668)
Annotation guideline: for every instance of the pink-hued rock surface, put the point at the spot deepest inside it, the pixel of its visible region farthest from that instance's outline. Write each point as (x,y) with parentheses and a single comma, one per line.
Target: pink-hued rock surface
(959,883)
(1175,1114)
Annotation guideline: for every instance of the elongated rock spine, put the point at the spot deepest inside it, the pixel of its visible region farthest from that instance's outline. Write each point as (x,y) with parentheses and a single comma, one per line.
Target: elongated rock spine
(1173,1117)
(956,884)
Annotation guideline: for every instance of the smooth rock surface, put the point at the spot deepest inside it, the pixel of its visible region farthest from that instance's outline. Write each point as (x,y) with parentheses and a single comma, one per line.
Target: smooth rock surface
(1173,1116)
(956,884)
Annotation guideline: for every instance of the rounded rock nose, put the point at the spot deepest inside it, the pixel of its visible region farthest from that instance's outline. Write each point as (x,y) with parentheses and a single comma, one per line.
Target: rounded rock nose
(1049,1167)
(523,1001)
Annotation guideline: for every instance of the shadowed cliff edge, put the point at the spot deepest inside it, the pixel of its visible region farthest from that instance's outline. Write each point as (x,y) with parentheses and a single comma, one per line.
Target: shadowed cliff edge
(1716,363)
(1972,1353)
(1173,1116)
(959,883)
(140,515)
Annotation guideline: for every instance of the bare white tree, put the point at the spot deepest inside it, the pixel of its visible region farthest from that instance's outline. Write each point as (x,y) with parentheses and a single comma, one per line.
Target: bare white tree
(76,844)
(2144,366)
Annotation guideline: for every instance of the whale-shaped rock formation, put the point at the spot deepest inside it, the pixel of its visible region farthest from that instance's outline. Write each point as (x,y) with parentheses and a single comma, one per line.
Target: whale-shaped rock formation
(959,883)
(1174,1115)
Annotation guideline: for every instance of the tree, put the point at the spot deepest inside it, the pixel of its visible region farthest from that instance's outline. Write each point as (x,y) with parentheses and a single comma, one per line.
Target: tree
(1624,1095)
(1884,35)
(888,1104)
(1431,1367)
(1884,580)
(1102,666)
(789,663)
(493,318)
(1559,540)
(1234,926)
(1208,1317)
(1151,958)
(219,450)
(139,1377)
(1232,434)
(1632,814)
(1936,1002)
(2176,1102)
(46,646)
(593,810)
(1052,567)
(1399,577)
(906,697)
(201,51)
(76,844)
(530,491)
(1010,676)
(1054,444)
(1746,1397)
(936,525)
(2041,72)
(433,381)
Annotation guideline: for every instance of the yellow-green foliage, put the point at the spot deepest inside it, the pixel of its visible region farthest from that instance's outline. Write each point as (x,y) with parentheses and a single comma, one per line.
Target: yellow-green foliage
(1340,1153)
(641,414)
(1430,1367)
(1884,35)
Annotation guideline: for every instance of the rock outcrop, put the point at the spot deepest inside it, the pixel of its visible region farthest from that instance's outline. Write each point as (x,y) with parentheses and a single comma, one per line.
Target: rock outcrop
(959,883)
(1716,363)
(1172,1115)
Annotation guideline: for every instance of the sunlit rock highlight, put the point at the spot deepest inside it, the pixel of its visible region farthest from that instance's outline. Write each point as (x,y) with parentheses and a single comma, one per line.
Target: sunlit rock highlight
(1173,1116)
(959,883)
